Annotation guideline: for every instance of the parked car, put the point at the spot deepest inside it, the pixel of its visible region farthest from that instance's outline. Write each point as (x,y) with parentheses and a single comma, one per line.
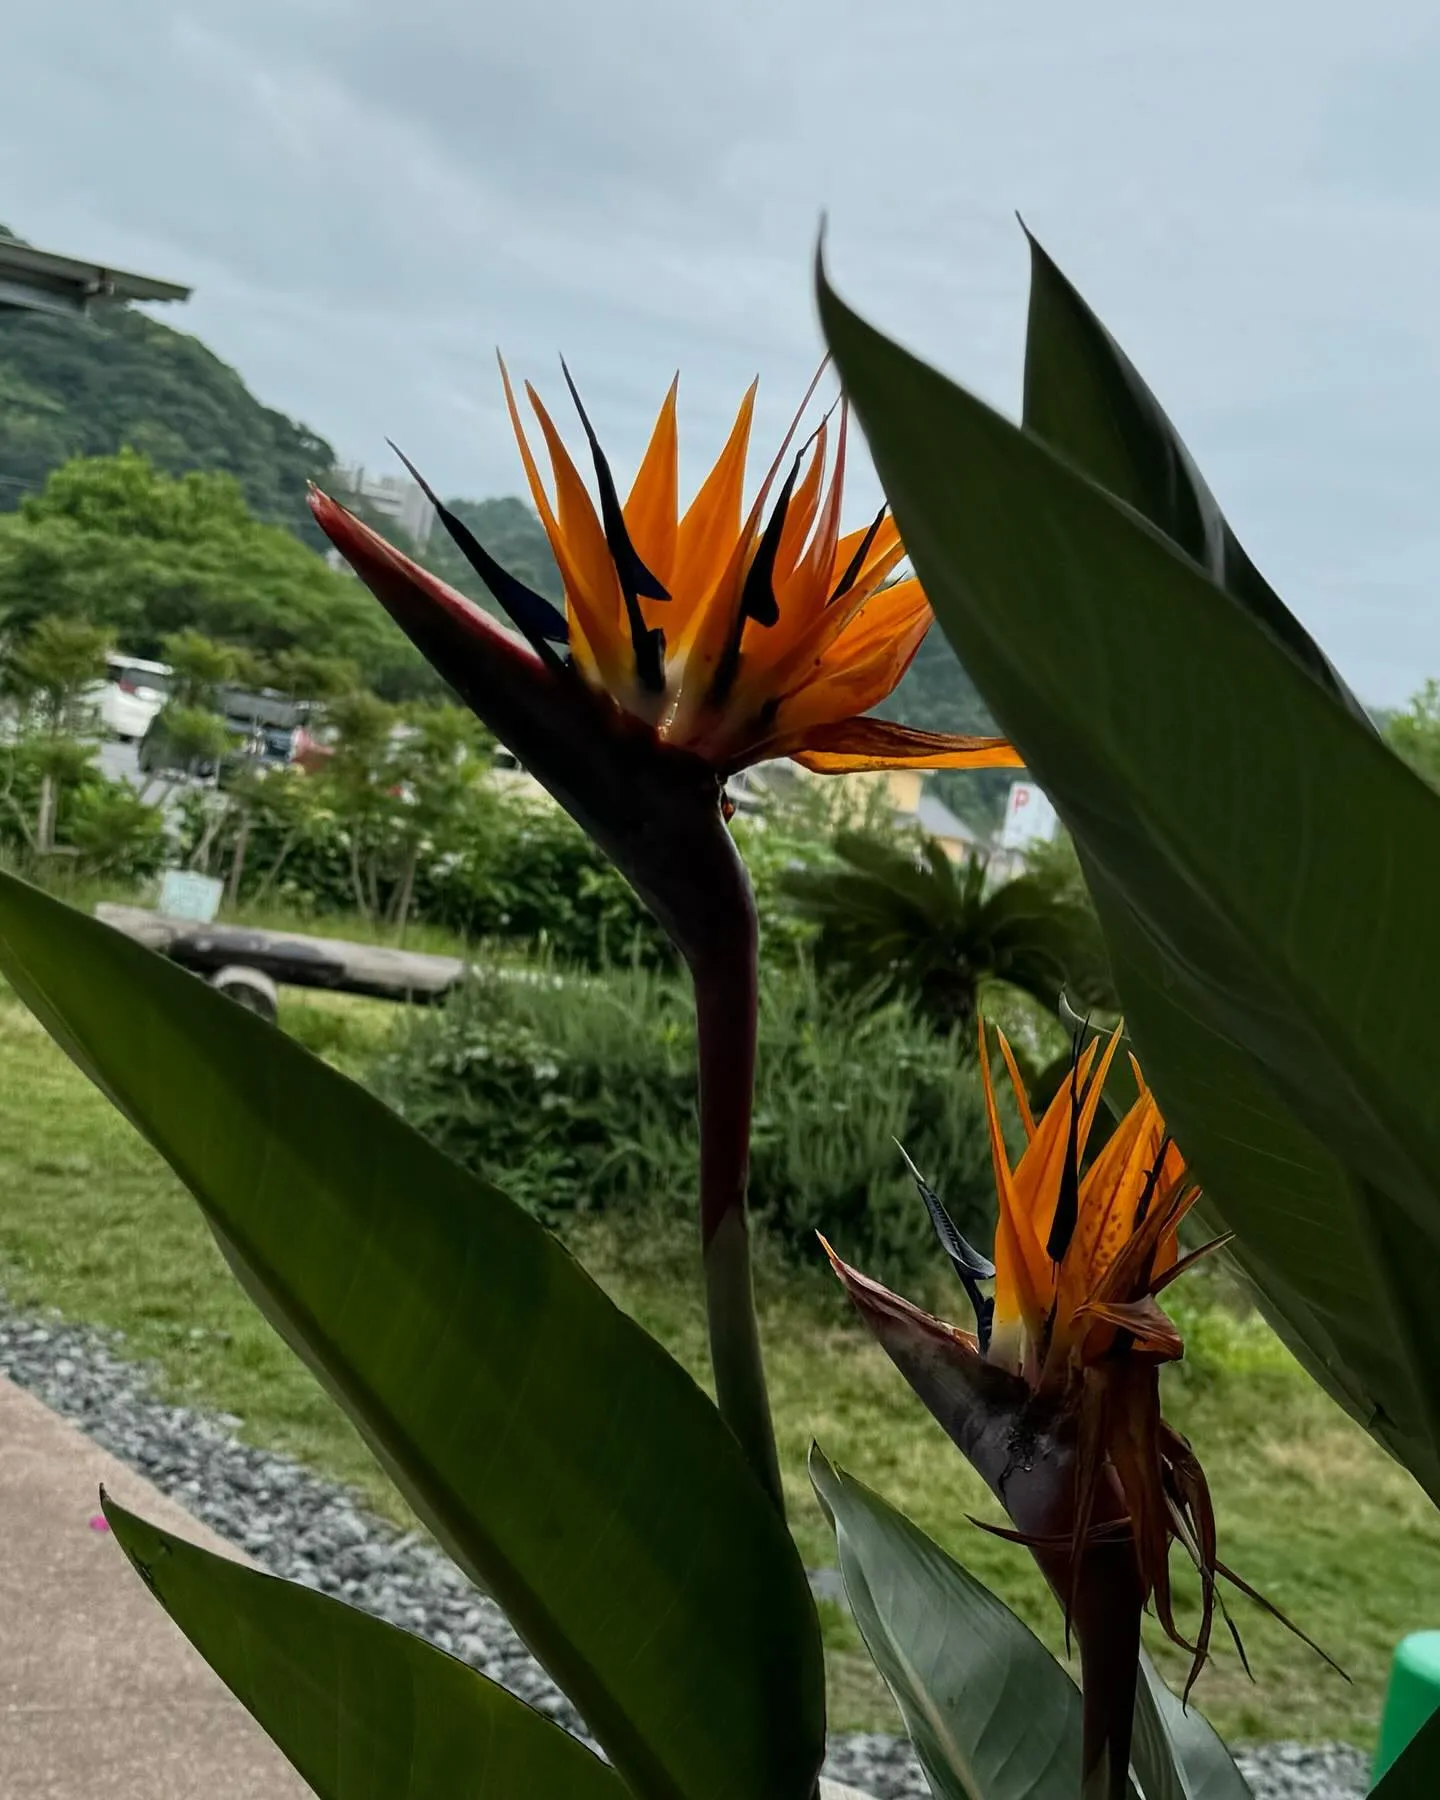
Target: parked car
(131,695)
(264,730)
(158,755)
(267,725)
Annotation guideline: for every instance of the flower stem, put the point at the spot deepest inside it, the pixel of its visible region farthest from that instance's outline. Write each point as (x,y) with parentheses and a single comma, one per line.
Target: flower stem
(726,977)
(735,1354)
(1107,1624)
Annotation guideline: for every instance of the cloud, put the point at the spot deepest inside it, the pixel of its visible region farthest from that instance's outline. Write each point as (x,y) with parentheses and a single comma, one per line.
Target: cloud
(369,198)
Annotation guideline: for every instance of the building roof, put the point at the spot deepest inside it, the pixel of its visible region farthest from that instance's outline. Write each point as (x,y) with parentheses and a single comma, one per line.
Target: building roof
(933,816)
(41,281)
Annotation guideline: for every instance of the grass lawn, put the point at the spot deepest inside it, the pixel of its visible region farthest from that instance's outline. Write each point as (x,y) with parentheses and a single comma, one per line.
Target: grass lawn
(1310,1510)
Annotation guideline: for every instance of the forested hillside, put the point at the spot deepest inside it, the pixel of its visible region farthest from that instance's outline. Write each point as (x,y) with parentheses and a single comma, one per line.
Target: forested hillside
(88,386)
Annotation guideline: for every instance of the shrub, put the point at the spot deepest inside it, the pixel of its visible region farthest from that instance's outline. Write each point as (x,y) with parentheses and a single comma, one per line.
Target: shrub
(96,826)
(577,1093)
(490,865)
(114,833)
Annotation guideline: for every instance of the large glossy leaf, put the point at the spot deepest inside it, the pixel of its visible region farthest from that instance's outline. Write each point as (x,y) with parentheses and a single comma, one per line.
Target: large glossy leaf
(1086,399)
(1177,1754)
(990,1712)
(1415,1773)
(362,1709)
(553,1447)
(1264,869)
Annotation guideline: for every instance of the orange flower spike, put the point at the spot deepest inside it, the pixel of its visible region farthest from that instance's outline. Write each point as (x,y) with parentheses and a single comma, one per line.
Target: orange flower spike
(733,636)
(1055,1400)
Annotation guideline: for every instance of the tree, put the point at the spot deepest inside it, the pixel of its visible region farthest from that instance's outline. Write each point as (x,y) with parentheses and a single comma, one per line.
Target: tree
(113,541)
(57,661)
(1415,733)
(200,667)
(921,928)
(50,673)
(311,675)
(360,776)
(438,757)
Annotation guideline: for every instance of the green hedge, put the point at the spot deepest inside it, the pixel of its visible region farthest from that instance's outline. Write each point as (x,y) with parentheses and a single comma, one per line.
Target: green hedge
(505,867)
(578,1093)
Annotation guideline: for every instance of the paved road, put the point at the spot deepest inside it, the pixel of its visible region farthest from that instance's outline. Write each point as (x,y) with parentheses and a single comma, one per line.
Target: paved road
(121,762)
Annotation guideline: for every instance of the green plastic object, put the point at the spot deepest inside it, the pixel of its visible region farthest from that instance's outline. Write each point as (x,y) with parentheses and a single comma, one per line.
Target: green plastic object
(1413,1694)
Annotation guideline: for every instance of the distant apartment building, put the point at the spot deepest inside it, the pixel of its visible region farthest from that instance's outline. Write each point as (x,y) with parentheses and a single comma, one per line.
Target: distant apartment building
(393,497)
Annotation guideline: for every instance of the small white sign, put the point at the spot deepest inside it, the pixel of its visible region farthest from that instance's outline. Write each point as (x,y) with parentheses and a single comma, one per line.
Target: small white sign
(186,895)
(1029,817)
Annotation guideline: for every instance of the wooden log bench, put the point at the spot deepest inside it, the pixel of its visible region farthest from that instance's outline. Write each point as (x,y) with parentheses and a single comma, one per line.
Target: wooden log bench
(248,964)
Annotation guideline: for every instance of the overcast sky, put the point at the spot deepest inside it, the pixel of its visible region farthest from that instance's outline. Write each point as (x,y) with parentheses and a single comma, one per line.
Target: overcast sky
(368,198)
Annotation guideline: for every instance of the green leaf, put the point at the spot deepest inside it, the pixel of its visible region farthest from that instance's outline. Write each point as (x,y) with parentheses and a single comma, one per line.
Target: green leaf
(1086,399)
(1415,1773)
(1280,971)
(362,1709)
(990,1712)
(1177,1754)
(564,1460)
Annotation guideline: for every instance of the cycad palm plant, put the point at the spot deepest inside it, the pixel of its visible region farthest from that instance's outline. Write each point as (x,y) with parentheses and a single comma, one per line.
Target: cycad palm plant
(909,922)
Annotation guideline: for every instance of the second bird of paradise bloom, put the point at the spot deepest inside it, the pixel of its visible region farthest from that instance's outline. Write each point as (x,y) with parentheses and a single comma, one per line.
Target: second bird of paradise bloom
(692,644)
(1055,1396)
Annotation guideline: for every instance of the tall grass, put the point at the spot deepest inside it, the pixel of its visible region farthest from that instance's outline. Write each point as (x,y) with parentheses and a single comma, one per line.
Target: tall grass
(577,1094)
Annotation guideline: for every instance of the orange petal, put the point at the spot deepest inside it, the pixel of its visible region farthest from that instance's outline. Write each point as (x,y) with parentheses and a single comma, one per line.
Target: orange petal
(1109,1194)
(810,589)
(653,506)
(707,633)
(1095,1088)
(1132,1273)
(861,743)
(800,514)
(1041,1169)
(591,645)
(858,671)
(1022,1099)
(1022,1274)
(885,544)
(584,536)
(1153,1330)
(1184,1264)
(707,534)
(850,657)
(843,631)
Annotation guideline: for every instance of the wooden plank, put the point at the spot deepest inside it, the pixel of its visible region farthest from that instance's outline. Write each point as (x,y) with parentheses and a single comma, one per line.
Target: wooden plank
(291,958)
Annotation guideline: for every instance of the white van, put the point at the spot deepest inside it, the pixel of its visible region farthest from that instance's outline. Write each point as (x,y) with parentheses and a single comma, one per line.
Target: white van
(133,693)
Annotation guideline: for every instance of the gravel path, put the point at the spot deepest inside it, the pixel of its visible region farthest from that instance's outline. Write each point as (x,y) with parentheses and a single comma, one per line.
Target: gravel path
(306,1529)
